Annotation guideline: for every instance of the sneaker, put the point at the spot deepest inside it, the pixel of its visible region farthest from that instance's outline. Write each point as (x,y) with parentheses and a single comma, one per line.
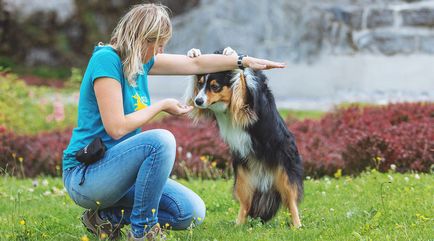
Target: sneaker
(103,229)
(154,234)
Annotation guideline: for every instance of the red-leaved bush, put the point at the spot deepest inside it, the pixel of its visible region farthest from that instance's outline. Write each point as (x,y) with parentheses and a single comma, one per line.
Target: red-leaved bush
(31,155)
(196,144)
(355,138)
(350,139)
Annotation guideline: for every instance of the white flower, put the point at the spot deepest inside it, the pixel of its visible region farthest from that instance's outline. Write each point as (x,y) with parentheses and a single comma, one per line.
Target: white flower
(35,183)
(393,167)
(417,176)
(308,177)
(45,182)
(323,193)
(390,177)
(332,209)
(46,193)
(57,191)
(179,148)
(349,214)
(188,155)
(406,179)
(31,190)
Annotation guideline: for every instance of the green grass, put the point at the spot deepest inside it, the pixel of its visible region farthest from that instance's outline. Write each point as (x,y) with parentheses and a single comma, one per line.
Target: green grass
(371,207)
(301,114)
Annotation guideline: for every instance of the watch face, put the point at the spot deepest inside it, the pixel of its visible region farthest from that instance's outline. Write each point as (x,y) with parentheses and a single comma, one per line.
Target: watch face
(240,58)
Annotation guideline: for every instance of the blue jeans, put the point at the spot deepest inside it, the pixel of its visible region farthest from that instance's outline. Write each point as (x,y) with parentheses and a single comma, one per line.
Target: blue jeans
(131,185)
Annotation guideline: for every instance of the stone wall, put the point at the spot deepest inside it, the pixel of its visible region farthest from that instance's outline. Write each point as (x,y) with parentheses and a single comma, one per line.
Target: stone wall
(62,33)
(394,29)
(303,30)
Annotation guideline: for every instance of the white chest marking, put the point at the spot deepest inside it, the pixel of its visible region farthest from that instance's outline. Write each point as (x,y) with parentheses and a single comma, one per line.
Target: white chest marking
(237,139)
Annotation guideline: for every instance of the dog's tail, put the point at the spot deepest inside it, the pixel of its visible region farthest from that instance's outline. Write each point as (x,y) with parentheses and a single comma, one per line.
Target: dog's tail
(265,204)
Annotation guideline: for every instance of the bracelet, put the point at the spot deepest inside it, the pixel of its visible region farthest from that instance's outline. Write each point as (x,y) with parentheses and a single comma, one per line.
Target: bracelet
(239,62)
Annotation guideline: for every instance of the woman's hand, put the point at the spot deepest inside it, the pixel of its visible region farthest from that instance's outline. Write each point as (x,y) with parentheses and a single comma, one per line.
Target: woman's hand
(260,64)
(173,107)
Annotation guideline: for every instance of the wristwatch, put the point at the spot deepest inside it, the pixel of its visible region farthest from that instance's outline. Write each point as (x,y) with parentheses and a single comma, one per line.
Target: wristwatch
(239,62)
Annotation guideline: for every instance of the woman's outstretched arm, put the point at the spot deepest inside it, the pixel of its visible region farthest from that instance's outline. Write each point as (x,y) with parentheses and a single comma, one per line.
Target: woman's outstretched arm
(174,64)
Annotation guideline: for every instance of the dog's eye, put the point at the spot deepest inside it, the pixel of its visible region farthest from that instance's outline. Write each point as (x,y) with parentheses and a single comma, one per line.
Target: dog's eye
(215,88)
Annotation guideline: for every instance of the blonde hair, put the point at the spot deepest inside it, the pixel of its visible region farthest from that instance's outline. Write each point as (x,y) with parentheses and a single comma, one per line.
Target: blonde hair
(144,24)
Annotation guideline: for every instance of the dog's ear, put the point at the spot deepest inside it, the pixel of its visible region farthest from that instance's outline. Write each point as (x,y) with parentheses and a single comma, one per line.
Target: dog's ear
(242,113)
(191,92)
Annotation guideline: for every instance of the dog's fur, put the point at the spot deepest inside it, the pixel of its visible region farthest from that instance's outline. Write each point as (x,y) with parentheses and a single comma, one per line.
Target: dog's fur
(268,168)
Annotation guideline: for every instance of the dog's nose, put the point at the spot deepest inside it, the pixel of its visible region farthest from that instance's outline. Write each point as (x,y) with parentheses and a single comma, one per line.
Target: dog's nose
(198,101)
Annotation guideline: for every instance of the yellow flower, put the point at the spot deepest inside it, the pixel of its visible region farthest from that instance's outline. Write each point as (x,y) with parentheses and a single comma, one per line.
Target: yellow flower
(20,159)
(421,217)
(84,238)
(153,211)
(198,218)
(103,236)
(214,164)
(167,225)
(204,159)
(122,211)
(22,222)
(338,173)
(98,203)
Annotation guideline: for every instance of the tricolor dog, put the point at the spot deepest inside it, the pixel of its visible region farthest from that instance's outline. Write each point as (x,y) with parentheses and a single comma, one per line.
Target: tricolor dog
(268,168)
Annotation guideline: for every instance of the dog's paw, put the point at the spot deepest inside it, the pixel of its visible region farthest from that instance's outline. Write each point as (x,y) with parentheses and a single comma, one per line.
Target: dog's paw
(192,53)
(229,51)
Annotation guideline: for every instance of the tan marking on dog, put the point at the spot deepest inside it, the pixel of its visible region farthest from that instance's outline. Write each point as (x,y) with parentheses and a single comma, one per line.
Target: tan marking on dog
(241,113)
(244,194)
(224,95)
(200,81)
(289,195)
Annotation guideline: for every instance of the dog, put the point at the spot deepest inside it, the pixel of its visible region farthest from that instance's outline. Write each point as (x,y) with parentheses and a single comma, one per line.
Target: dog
(267,166)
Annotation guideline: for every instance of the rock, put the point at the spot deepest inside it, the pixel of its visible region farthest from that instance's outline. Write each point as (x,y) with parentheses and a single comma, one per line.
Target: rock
(352,17)
(388,43)
(380,18)
(418,17)
(426,44)
(41,56)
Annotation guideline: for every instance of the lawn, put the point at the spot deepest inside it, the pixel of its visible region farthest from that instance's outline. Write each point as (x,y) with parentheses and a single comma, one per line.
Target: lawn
(374,206)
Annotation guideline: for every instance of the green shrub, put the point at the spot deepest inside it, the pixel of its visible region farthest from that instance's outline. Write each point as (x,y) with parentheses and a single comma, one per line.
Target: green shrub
(31,109)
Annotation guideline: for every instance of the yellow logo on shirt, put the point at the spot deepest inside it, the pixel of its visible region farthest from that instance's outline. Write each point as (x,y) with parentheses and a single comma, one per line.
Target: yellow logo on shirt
(140,104)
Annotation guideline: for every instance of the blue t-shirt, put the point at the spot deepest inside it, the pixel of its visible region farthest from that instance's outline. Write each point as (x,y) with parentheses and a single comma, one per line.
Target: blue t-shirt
(105,62)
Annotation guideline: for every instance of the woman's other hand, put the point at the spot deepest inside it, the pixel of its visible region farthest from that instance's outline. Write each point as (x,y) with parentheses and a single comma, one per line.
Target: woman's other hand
(173,107)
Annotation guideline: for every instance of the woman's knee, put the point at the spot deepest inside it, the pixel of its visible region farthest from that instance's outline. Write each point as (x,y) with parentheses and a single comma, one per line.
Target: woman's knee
(164,144)
(163,139)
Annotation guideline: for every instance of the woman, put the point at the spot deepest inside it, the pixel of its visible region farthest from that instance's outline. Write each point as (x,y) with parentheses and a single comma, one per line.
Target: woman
(130,184)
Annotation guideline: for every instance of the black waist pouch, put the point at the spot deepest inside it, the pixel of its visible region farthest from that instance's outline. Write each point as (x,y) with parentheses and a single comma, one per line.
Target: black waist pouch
(89,154)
